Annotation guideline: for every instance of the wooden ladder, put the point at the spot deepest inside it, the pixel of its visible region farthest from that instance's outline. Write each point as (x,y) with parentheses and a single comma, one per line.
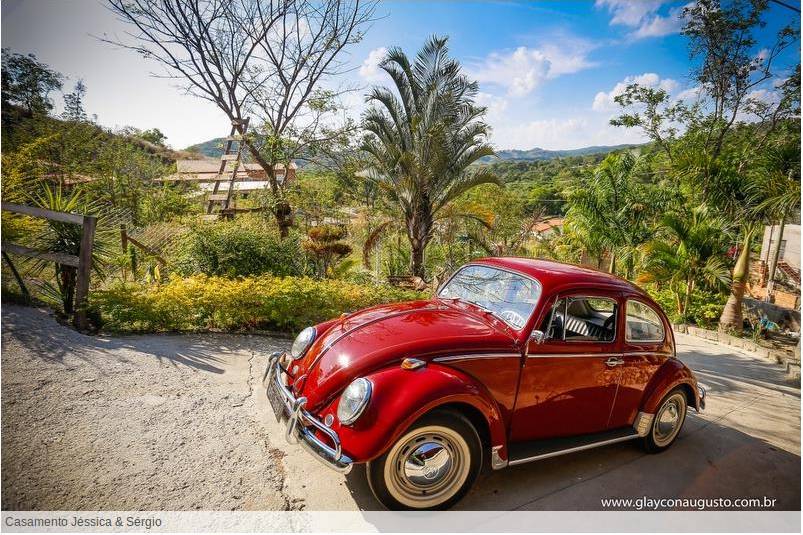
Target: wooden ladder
(226,171)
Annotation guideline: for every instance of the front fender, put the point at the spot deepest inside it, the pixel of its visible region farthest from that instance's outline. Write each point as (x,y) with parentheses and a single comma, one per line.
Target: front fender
(399,397)
(670,375)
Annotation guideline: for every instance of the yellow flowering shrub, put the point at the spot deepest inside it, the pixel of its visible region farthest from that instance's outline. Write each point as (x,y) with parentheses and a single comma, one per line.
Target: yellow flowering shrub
(266,302)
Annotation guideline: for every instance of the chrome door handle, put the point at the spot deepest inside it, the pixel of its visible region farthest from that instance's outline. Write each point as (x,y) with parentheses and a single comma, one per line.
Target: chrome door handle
(614,361)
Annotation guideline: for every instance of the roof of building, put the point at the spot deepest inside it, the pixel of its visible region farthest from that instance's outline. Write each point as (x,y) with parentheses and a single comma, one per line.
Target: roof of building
(209,165)
(547,224)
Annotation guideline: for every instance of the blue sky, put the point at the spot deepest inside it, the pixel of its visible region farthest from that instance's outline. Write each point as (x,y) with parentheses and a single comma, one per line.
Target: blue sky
(548,70)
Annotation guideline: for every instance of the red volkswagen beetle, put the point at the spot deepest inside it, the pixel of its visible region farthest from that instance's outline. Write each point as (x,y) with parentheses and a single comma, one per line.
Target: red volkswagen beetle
(514,360)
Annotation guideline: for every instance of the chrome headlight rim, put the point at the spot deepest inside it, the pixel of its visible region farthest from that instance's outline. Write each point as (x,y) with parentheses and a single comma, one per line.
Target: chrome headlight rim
(368,388)
(310,333)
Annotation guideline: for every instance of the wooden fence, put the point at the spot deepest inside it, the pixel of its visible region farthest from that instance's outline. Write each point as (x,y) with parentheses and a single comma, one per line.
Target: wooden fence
(82,263)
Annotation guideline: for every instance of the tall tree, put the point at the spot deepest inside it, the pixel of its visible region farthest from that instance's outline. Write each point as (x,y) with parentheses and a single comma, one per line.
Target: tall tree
(712,160)
(423,138)
(265,59)
(616,208)
(27,83)
(688,252)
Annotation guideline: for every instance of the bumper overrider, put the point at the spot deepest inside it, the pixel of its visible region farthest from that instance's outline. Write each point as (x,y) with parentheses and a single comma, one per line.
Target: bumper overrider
(301,426)
(701,391)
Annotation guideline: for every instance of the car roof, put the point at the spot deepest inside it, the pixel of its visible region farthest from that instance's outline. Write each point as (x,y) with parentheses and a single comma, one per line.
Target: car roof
(555,276)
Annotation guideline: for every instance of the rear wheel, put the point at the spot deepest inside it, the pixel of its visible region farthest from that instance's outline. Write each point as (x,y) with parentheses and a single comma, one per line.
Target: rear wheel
(667,422)
(431,466)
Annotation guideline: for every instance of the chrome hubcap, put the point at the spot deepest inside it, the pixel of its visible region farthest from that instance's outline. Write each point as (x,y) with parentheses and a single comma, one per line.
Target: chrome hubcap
(427,464)
(669,419)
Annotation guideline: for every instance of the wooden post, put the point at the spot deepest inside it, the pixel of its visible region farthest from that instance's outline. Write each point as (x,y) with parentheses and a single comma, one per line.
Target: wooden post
(123,238)
(84,271)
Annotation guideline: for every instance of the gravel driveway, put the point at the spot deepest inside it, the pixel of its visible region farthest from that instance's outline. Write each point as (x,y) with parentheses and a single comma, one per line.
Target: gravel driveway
(132,423)
(178,422)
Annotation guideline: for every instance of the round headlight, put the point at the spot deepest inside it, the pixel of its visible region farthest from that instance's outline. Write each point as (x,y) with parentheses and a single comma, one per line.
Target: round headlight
(353,400)
(302,342)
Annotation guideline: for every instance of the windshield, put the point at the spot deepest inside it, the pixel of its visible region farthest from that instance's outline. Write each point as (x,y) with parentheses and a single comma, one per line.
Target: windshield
(509,296)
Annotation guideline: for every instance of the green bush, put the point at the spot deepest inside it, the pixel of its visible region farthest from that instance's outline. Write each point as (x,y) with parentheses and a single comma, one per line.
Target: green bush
(242,247)
(263,302)
(704,310)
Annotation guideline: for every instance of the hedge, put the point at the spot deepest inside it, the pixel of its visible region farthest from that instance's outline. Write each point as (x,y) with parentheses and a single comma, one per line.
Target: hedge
(204,302)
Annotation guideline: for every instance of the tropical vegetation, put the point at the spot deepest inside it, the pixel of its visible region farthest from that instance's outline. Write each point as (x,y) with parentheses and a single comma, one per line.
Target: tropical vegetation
(411,191)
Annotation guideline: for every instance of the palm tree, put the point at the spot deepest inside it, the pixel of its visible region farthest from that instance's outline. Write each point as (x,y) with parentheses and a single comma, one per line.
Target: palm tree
(65,238)
(423,138)
(688,252)
(613,210)
(750,195)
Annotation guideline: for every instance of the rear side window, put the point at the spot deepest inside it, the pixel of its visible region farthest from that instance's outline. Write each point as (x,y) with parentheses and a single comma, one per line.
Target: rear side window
(643,323)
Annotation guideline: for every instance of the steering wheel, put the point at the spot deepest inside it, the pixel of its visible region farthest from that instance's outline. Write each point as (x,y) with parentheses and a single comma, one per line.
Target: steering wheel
(513,318)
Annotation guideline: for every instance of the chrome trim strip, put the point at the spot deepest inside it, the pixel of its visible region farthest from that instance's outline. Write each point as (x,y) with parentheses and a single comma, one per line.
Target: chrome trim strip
(477,356)
(623,354)
(647,353)
(572,355)
(572,450)
(497,463)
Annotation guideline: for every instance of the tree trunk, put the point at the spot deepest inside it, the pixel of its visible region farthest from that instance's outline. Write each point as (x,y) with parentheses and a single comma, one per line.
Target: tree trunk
(417,258)
(776,253)
(731,317)
(687,297)
(282,210)
(612,266)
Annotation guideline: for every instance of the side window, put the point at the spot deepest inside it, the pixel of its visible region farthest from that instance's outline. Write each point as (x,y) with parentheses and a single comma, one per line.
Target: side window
(643,323)
(582,319)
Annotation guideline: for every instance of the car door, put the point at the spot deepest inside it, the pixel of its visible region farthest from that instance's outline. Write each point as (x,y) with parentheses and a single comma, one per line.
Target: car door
(568,382)
(644,349)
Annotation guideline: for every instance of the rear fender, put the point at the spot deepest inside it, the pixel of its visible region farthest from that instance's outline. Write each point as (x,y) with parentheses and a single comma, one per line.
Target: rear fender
(669,376)
(400,397)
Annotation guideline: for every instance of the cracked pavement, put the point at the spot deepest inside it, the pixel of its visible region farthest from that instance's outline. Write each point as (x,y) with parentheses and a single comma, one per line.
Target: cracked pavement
(180,422)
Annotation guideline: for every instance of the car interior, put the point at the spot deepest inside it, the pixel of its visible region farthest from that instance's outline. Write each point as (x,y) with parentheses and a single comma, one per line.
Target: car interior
(583,319)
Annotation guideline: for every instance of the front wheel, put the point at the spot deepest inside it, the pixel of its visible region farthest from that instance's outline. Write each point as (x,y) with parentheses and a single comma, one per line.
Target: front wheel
(667,422)
(431,466)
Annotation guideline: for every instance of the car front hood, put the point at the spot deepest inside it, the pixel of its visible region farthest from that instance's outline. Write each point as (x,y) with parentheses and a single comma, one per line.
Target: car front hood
(377,337)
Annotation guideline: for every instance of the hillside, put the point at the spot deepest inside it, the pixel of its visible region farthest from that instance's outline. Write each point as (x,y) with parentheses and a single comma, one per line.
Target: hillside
(544,154)
(214,148)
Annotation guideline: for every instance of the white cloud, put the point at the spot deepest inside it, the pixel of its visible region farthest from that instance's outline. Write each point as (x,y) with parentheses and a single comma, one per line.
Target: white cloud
(643,17)
(604,101)
(524,69)
(369,69)
(690,94)
(564,133)
(495,105)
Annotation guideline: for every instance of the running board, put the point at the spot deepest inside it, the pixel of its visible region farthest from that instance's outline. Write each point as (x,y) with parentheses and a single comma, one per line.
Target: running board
(544,449)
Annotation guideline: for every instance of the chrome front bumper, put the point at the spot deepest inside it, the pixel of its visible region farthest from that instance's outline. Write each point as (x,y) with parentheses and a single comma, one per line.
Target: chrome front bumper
(300,424)
(701,391)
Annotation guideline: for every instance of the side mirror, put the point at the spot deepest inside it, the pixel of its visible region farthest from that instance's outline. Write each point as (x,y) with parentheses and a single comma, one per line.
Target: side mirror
(538,336)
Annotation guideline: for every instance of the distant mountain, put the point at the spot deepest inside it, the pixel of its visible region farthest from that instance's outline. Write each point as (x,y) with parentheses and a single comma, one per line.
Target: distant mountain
(214,148)
(544,154)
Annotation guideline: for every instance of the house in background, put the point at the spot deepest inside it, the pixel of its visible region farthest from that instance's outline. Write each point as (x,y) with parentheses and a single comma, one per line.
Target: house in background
(790,245)
(250,176)
(786,292)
